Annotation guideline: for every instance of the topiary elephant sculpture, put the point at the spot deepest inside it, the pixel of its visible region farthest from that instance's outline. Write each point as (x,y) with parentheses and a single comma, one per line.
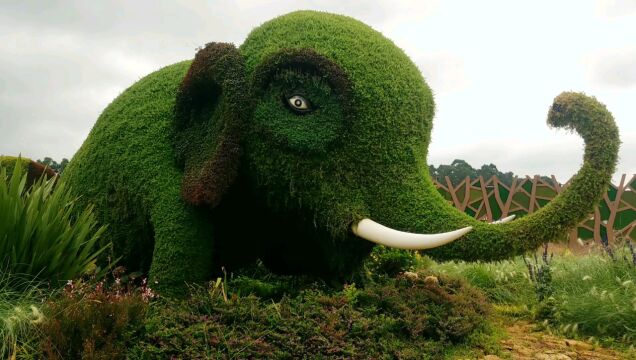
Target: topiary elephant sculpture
(296,148)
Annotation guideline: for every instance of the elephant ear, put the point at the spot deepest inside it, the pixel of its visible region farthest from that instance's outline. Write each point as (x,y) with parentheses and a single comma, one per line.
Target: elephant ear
(211,106)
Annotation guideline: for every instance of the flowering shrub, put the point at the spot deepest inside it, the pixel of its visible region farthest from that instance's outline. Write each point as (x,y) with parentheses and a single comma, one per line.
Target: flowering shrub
(95,320)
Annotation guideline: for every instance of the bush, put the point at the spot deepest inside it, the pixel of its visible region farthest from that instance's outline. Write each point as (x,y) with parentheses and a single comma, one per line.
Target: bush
(41,232)
(388,261)
(94,321)
(410,317)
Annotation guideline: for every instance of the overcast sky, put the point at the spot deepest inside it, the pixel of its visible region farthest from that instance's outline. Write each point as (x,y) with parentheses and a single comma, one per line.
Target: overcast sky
(494,66)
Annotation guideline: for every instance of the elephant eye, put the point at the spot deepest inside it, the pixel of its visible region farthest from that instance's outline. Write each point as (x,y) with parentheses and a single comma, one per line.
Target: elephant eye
(299,104)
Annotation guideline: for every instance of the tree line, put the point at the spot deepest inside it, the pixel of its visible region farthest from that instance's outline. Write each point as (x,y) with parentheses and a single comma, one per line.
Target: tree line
(58,167)
(457,171)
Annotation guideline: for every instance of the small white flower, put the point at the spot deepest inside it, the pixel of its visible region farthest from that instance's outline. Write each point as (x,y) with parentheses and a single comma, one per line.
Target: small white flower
(587,277)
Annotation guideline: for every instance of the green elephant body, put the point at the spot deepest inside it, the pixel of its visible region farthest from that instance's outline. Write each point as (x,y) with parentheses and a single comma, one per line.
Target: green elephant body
(275,149)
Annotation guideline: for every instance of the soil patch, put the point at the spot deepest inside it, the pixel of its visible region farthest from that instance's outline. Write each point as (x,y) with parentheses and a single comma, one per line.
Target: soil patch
(526,342)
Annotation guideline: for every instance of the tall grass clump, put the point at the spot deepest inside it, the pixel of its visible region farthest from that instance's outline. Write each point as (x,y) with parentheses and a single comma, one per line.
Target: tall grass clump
(20,315)
(42,233)
(504,282)
(593,295)
(596,295)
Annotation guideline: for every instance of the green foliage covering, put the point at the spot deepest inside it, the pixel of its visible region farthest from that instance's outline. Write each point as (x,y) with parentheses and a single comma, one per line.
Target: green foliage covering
(401,318)
(209,112)
(127,169)
(42,231)
(300,178)
(387,261)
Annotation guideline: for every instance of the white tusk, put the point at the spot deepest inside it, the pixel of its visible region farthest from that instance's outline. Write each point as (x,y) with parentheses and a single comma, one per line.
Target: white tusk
(504,220)
(380,234)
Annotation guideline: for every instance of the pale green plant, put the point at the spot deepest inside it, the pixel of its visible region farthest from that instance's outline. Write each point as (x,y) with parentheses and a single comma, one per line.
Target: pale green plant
(504,282)
(596,295)
(20,314)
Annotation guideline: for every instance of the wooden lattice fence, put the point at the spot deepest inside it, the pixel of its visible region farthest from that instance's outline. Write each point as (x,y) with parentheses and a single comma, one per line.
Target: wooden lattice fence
(488,200)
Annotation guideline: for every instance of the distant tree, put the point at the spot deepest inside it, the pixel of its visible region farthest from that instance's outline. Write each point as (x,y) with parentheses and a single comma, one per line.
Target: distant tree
(459,169)
(488,171)
(58,167)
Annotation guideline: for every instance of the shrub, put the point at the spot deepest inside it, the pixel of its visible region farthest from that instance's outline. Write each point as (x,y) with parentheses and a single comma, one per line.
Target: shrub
(388,261)
(409,317)
(41,232)
(34,170)
(94,321)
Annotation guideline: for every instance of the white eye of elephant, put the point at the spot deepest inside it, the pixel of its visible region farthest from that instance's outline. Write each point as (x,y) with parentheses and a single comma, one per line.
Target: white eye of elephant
(299,104)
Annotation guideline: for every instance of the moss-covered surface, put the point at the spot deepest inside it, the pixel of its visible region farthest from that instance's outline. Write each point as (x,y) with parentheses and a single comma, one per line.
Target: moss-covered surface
(127,169)
(252,317)
(301,177)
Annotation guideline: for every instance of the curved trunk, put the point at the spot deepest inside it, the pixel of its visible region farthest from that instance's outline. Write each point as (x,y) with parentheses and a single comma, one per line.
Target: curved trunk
(425,211)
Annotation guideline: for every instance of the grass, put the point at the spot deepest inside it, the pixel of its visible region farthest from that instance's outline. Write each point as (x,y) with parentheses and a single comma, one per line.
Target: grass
(596,296)
(427,312)
(504,282)
(584,296)
(20,315)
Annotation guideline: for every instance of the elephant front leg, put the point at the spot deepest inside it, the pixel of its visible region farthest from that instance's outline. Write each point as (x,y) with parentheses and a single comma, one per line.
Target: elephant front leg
(183,245)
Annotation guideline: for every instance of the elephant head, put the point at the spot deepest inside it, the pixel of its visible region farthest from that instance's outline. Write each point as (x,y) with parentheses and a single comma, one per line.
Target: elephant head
(326,123)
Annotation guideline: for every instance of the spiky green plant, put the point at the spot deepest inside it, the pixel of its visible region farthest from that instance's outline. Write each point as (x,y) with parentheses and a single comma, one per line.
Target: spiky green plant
(42,232)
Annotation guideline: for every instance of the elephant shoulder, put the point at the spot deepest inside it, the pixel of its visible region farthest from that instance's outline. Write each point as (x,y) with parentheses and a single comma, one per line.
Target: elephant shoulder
(130,142)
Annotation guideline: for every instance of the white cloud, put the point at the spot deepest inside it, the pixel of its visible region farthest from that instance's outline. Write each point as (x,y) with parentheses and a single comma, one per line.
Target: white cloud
(444,72)
(561,156)
(62,62)
(612,67)
(615,8)
(377,13)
